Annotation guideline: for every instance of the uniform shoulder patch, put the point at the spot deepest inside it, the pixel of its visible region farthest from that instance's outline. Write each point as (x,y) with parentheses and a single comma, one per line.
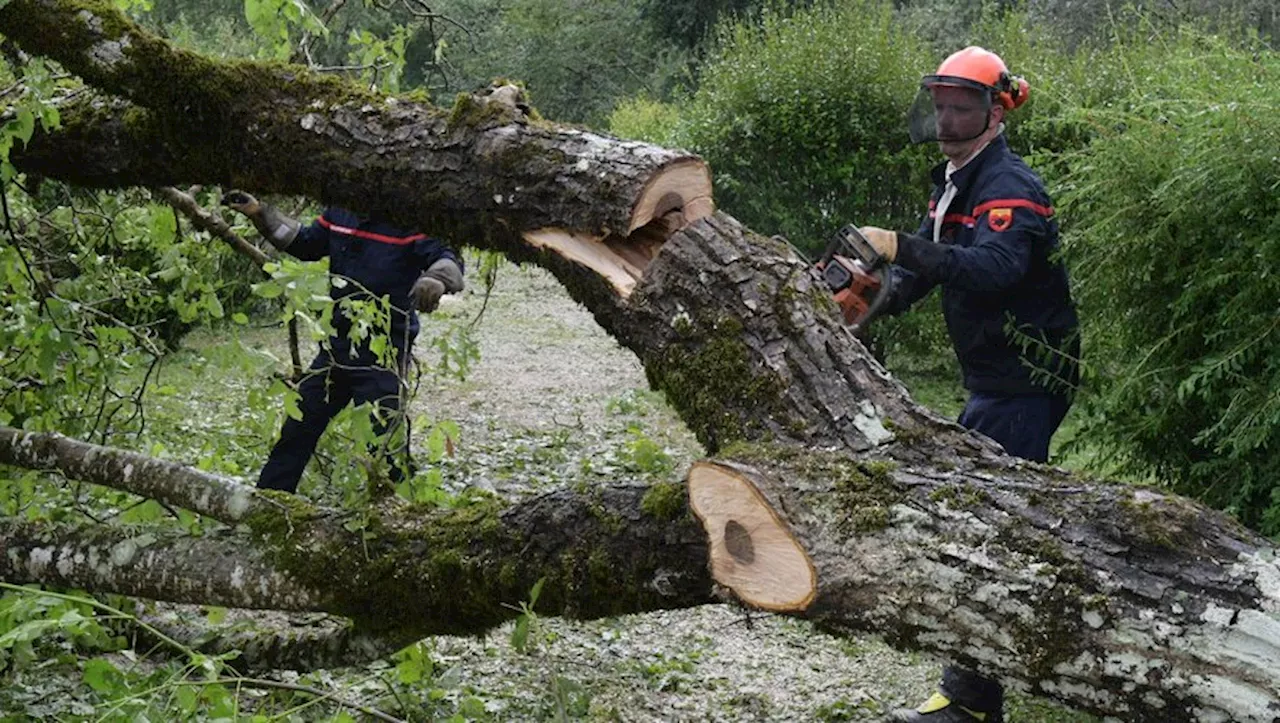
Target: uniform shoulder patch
(1000,219)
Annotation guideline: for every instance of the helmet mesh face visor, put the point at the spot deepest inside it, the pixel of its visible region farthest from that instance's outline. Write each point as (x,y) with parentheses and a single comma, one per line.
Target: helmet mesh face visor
(946,112)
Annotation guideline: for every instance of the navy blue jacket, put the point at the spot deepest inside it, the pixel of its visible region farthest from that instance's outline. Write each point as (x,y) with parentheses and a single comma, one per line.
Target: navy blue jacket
(374,256)
(1006,299)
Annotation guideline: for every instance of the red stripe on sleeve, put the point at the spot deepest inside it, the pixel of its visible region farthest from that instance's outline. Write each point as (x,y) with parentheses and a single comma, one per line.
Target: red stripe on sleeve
(397,240)
(1045,211)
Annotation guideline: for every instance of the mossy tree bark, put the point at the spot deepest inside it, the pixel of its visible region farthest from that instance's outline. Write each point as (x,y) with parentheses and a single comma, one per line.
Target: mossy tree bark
(833,495)
(836,497)
(484,171)
(403,570)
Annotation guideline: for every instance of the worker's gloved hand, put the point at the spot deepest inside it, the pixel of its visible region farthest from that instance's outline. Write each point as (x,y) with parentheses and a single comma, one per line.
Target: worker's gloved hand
(426,293)
(444,276)
(884,242)
(242,202)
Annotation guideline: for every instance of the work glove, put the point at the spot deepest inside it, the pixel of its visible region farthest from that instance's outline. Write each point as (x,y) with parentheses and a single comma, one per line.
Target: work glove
(241,202)
(884,242)
(444,276)
(277,228)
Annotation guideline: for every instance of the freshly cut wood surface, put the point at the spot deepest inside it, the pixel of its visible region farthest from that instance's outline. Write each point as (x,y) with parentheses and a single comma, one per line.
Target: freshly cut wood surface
(752,552)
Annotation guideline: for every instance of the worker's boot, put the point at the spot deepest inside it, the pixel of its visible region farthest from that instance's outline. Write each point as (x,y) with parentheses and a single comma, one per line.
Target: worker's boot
(963,697)
(940,709)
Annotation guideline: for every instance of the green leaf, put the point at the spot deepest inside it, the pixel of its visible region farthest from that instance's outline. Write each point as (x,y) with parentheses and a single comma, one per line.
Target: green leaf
(268,289)
(409,671)
(216,615)
(188,699)
(436,444)
(291,407)
(240,318)
(520,633)
(102,676)
(472,707)
(23,126)
(26,632)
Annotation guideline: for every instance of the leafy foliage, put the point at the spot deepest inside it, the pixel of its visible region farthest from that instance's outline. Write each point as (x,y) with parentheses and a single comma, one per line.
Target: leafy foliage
(274,19)
(576,58)
(690,22)
(802,121)
(1175,210)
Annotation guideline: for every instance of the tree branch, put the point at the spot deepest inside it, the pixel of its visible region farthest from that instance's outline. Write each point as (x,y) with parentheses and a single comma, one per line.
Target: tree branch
(208,222)
(395,569)
(175,568)
(167,482)
(284,129)
(270,640)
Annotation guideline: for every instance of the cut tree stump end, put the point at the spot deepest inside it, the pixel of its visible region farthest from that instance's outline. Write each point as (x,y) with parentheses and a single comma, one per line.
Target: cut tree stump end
(753,553)
(684,185)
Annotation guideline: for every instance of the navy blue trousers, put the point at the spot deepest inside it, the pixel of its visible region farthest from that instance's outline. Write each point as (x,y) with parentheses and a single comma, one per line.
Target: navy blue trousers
(325,389)
(1023,425)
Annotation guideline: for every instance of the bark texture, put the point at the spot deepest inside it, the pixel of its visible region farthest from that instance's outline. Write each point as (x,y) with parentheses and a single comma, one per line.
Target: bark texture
(1115,599)
(168,482)
(747,345)
(266,640)
(175,568)
(488,168)
(396,570)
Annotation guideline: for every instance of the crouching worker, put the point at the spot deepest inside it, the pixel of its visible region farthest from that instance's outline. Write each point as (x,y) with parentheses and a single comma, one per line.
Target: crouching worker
(374,259)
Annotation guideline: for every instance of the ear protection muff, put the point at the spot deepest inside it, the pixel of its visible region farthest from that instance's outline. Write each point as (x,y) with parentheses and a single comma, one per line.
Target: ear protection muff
(1012,90)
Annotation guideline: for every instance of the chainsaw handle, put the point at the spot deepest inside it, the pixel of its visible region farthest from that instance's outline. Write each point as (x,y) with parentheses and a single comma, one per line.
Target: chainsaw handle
(885,273)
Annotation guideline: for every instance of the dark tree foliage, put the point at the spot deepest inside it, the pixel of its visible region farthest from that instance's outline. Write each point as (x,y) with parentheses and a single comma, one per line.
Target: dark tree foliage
(689,22)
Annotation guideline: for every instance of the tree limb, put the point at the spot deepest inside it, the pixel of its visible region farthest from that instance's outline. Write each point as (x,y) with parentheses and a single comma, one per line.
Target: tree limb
(176,568)
(168,482)
(489,158)
(212,224)
(271,640)
(394,570)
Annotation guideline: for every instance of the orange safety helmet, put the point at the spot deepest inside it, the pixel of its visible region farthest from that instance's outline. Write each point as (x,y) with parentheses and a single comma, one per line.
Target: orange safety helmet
(938,114)
(983,68)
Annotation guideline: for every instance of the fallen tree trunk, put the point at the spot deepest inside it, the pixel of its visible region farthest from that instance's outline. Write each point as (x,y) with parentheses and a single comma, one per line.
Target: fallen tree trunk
(1123,601)
(834,495)
(397,569)
(465,172)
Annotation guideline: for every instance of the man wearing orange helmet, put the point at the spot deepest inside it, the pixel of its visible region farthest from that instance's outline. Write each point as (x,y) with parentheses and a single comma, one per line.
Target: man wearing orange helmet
(989,240)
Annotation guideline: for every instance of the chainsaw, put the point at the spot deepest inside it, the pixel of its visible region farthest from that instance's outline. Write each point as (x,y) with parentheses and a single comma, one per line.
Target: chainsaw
(859,277)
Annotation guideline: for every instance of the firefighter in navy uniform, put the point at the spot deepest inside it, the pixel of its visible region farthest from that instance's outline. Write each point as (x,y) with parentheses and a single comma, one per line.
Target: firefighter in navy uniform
(988,240)
(373,259)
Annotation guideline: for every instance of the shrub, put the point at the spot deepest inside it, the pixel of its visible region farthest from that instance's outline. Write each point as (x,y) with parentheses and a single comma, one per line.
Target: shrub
(1176,229)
